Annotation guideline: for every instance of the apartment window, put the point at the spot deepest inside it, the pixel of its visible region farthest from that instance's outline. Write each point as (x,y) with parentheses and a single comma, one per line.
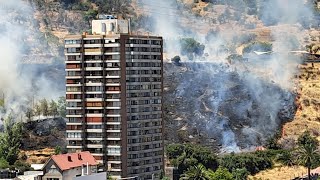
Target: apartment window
(93,41)
(73,73)
(156,42)
(114,65)
(94,135)
(113,88)
(73,89)
(94,111)
(75,120)
(94,65)
(73,50)
(72,41)
(73,96)
(94,127)
(94,104)
(114,150)
(94,88)
(94,142)
(94,119)
(73,66)
(74,135)
(93,95)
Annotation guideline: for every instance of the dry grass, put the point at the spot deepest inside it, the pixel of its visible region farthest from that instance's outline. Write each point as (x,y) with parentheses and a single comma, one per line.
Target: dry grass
(280,173)
(38,156)
(308,114)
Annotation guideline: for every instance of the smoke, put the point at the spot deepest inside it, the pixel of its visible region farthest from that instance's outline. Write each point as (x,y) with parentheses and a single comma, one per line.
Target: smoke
(242,104)
(20,83)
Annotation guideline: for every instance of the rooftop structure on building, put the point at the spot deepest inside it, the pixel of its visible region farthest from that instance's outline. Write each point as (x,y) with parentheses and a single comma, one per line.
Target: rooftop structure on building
(68,166)
(114,88)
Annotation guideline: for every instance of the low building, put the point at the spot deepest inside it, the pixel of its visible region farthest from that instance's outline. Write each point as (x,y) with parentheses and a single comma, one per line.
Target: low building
(98,176)
(7,174)
(30,175)
(68,166)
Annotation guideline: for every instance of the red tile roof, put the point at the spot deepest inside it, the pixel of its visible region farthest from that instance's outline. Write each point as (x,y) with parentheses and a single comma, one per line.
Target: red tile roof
(62,160)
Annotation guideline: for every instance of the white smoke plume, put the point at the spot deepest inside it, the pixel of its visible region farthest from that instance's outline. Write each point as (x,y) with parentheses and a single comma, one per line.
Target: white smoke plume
(20,83)
(266,83)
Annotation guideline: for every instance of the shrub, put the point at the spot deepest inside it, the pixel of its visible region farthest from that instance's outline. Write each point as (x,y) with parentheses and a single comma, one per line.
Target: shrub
(22,166)
(4,164)
(188,155)
(252,162)
(176,60)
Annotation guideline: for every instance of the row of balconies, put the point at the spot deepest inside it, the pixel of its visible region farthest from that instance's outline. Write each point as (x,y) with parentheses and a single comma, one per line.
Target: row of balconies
(89,45)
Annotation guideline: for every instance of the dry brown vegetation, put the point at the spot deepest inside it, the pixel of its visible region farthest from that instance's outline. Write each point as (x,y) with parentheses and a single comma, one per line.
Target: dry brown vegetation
(38,156)
(308,113)
(280,173)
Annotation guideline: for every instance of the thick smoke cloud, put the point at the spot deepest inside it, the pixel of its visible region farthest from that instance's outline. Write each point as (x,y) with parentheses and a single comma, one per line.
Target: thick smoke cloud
(246,102)
(20,83)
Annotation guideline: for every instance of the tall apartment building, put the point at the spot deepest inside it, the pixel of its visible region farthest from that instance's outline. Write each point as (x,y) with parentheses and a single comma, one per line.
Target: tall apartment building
(114,83)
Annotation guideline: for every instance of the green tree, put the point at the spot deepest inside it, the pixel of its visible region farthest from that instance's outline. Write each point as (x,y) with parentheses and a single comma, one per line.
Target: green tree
(29,113)
(10,140)
(37,110)
(198,172)
(285,157)
(184,156)
(62,106)
(22,166)
(176,60)
(53,109)
(44,107)
(191,48)
(4,163)
(57,150)
(221,174)
(307,153)
(253,162)
(90,15)
(240,174)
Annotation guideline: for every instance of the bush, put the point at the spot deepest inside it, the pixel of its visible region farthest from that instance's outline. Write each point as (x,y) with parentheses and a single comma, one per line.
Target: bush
(4,164)
(90,15)
(221,174)
(240,174)
(176,60)
(82,6)
(188,155)
(22,166)
(252,162)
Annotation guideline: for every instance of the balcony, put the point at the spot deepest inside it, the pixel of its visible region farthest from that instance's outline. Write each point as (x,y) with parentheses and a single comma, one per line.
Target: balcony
(93,45)
(95,115)
(93,51)
(94,68)
(74,115)
(73,108)
(94,83)
(74,146)
(94,130)
(94,99)
(112,45)
(72,45)
(95,146)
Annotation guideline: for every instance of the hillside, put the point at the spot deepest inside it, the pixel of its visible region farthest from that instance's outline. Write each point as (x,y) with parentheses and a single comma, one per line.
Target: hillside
(224,29)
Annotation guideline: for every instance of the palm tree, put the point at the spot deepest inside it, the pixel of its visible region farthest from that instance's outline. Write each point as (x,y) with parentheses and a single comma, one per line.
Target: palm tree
(307,152)
(306,155)
(198,172)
